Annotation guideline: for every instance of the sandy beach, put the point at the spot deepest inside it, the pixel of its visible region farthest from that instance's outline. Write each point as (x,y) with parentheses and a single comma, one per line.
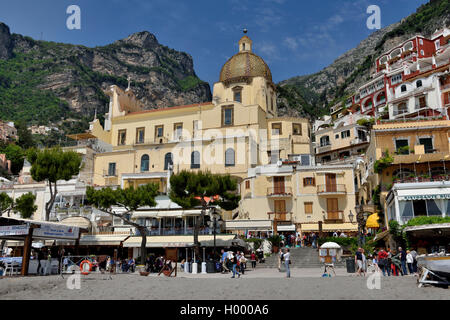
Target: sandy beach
(260,284)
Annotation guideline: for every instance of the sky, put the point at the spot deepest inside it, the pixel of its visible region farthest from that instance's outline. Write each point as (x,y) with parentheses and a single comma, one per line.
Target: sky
(294,37)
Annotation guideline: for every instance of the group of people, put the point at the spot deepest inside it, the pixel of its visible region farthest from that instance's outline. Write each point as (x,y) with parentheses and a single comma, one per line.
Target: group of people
(400,262)
(296,240)
(236,262)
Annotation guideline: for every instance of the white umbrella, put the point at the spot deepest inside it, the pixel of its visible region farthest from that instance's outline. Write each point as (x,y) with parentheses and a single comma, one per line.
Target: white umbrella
(37,245)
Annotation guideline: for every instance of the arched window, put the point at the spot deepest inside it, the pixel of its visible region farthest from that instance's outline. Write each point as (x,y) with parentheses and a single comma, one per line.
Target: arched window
(403,88)
(419,83)
(195,160)
(229,158)
(168,160)
(145,163)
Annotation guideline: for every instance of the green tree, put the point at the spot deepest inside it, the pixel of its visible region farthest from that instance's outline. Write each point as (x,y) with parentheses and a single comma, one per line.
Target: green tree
(17,155)
(25,136)
(191,189)
(52,165)
(128,200)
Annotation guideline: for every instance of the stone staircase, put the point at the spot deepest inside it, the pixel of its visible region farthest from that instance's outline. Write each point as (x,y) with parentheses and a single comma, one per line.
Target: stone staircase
(305,257)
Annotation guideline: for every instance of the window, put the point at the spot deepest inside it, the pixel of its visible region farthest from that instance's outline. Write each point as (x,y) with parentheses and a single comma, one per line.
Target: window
(229,158)
(421,102)
(297,129)
(396,79)
(308,207)
(401,108)
(305,160)
(276,129)
(195,160)
(421,41)
(227,116)
(336,136)
(396,53)
(324,141)
(309,182)
(437,44)
(403,88)
(247,184)
(383,60)
(408,46)
(419,83)
(401,146)
(177,131)
(422,52)
(159,131)
(168,160)
(122,137)
(140,135)
(427,143)
(237,94)
(145,163)
(345,134)
(112,169)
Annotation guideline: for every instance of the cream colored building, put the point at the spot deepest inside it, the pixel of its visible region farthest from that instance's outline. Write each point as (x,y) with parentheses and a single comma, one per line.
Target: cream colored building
(299,198)
(238,130)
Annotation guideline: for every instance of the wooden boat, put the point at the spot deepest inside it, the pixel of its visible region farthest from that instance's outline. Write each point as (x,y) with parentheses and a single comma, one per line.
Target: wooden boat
(439,264)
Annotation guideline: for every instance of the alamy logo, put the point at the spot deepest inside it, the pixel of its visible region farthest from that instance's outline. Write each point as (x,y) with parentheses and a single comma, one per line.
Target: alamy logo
(374,21)
(74,281)
(74,20)
(374,281)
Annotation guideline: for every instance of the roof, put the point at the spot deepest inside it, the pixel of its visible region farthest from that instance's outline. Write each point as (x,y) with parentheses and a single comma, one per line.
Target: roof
(412,125)
(327,227)
(179,241)
(244,64)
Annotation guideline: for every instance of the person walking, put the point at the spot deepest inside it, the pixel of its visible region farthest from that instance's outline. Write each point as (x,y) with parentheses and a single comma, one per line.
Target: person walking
(314,238)
(253,259)
(383,263)
(409,261)
(242,263)
(359,261)
(223,260)
(234,262)
(287,262)
(40,257)
(414,265)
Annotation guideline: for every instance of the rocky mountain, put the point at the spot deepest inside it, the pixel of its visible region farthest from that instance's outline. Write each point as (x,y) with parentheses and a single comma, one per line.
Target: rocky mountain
(45,82)
(312,95)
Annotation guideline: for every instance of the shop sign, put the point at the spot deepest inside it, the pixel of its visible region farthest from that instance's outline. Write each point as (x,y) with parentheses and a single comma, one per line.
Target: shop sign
(52,231)
(427,197)
(19,230)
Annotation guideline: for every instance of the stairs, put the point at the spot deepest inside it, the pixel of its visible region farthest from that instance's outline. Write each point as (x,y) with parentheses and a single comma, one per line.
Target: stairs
(305,257)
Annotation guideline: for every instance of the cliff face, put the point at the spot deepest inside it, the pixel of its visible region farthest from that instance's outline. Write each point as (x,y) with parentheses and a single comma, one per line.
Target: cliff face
(62,81)
(319,91)
(5,42)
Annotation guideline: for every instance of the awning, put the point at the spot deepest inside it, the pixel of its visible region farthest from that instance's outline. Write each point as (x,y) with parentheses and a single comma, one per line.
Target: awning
(372,221)
(80,222)
(251,225)
(102,240)
(422,193)
(166,213)
(177,241)
(314,227)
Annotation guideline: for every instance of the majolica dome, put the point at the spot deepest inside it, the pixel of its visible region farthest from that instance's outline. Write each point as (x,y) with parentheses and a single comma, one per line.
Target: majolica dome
(244,65)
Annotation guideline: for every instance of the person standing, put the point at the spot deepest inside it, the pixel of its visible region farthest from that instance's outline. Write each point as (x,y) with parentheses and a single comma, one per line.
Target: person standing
(313,239)
(48,266)
(383,263)
(280,259)
(287,262)
(253,258)
(40,256)
(403,261)
(223,260)
(414,265)
(409,261)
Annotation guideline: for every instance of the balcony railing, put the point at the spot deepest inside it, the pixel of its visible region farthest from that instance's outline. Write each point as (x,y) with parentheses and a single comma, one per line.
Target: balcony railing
(415,179)
(331,188)
(279,192)
(334,216)
(280,216)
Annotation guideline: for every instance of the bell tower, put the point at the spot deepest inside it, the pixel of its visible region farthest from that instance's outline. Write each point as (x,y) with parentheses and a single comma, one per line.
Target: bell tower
(245,44)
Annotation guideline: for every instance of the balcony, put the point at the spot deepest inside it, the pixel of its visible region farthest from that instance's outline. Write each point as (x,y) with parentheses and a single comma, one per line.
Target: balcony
(331,189)
(334,217)
(279,192)
(280,216)
(369,208)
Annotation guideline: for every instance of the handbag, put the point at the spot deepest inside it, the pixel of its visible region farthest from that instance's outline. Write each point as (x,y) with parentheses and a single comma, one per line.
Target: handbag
(289,261)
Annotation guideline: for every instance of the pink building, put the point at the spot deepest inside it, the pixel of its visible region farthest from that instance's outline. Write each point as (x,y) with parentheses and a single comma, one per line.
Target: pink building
(5,163)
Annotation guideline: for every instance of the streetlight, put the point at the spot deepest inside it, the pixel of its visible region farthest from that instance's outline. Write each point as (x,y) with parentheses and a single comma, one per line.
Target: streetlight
(361,218)
(215,221)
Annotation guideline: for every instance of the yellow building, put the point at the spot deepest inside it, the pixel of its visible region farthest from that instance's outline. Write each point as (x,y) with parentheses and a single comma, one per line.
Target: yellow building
(238,130)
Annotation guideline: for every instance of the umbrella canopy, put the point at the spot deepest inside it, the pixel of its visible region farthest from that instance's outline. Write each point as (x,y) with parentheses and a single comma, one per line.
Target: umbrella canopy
(372,221)
(330,245)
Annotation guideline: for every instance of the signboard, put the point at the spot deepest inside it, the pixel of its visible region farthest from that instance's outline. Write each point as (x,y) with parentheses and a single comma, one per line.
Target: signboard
(426,197)
(19,230)
(54,231)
